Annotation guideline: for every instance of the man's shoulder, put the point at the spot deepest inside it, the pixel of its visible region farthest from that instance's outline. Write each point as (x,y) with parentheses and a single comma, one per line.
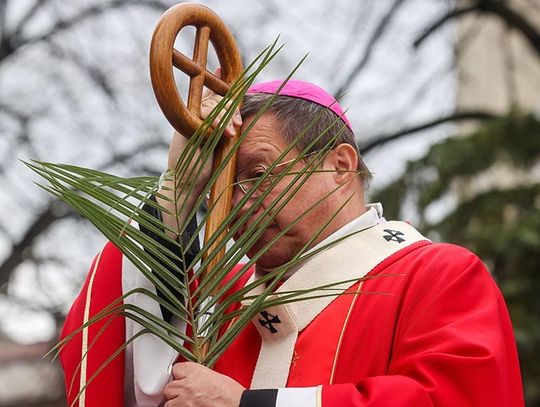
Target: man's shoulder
(439,265)
(432,261)
(446,253)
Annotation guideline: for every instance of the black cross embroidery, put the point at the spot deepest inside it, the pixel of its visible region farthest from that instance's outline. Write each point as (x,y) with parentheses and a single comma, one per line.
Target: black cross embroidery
(394,235)
(268,320)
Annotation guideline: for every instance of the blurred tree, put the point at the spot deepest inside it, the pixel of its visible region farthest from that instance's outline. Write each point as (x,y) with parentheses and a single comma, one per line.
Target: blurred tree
(58,75)
(482,191)
(481,188)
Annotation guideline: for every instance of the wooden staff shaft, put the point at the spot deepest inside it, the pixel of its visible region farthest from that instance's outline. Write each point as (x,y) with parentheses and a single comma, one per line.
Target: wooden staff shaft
(186,119)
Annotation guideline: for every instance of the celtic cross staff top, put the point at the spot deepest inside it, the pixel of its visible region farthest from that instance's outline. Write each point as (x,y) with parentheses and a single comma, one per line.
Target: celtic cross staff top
(186,118)
(164,57)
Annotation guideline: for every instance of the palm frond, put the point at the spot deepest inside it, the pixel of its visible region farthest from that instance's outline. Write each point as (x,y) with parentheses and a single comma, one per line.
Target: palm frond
(114,205)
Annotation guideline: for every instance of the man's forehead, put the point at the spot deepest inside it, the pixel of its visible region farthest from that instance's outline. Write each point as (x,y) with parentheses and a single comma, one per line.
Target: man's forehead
(264,142)
(265,131)
(251,153)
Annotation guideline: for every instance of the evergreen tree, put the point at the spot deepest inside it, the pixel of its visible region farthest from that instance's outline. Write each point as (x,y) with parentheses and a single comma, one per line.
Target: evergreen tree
(482,191)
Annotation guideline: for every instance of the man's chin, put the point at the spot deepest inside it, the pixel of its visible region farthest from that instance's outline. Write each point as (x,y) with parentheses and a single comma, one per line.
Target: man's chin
(273,256)
(268,261)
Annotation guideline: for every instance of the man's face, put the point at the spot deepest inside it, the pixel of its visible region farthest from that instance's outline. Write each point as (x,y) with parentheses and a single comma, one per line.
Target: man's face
(263,145)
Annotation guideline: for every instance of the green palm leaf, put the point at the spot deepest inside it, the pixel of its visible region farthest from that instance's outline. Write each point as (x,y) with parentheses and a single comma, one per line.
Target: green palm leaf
(115,206)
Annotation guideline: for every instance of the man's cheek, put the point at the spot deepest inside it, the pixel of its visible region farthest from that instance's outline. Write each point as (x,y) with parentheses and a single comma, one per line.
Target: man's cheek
(264,240)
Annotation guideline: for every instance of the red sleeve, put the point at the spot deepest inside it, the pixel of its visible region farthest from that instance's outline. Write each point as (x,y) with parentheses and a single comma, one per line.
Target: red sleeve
(453,343)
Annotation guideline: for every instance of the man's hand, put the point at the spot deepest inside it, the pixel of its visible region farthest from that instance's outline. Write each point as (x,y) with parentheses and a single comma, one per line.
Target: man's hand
(197,386)
(208,102)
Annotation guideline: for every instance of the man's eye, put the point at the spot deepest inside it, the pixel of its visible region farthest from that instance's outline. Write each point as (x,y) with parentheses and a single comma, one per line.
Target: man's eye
(263,176)
(258,173)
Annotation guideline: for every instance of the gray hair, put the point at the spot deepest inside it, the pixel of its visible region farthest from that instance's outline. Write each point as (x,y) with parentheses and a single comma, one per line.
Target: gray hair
(294,114)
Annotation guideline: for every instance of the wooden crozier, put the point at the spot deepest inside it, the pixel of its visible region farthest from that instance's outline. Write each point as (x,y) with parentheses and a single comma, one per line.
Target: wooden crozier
(186,118)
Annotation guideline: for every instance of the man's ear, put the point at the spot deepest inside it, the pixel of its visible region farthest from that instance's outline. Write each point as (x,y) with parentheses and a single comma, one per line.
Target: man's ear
(345,161)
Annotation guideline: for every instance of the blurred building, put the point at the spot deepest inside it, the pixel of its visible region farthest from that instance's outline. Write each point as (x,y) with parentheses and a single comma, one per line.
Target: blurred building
(496,66)
(26,379)
(497,69)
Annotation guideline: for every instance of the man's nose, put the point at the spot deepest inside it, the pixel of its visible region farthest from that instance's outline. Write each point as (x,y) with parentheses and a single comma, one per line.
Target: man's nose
(238,194)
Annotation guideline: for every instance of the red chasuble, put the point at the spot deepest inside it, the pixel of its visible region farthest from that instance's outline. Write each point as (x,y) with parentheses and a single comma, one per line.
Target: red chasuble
(427,326)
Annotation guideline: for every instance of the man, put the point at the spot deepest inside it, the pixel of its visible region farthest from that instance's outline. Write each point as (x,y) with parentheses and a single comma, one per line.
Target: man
(418,324)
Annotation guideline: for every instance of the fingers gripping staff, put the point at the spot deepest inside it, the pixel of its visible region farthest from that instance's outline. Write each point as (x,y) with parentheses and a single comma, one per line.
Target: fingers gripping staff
(186,119)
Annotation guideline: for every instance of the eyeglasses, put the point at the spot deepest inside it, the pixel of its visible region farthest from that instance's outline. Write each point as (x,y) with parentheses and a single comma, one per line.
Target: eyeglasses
(248,178)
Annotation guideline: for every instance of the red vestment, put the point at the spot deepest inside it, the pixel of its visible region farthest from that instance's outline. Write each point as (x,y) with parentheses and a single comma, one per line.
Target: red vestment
(428,327)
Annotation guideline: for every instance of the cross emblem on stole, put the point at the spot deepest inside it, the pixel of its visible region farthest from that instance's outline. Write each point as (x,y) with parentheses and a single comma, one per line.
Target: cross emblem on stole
(269,320)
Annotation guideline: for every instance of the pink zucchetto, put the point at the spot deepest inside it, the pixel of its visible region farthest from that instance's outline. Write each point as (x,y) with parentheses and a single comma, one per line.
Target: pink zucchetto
(302,90)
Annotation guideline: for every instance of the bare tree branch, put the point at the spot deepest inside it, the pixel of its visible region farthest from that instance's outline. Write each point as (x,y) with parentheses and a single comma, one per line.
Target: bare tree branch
(13,44)
(53,212)
(19,251)
(11,111)
(371,44)
(380,140)
(94,73)
(3,8)
(31,305)
(28,16)
(501,9)
(360,17)
(441,21)
(123,157)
